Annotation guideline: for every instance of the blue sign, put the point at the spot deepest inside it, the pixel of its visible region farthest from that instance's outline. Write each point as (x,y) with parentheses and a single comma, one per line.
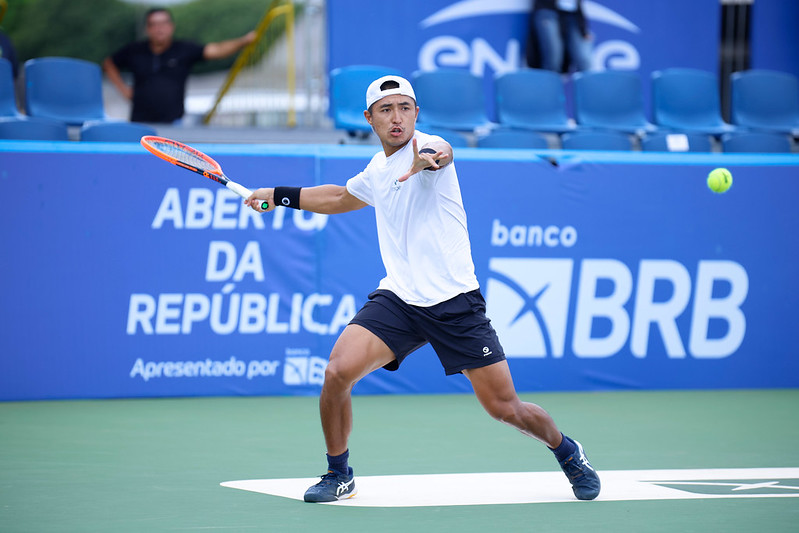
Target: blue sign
(124,276)
(488,37)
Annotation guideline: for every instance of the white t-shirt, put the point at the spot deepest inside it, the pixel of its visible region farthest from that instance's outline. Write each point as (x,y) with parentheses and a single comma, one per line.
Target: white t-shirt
(421,227)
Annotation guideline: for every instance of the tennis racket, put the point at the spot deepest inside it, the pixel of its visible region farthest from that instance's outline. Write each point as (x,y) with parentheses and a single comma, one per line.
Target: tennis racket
(192,159)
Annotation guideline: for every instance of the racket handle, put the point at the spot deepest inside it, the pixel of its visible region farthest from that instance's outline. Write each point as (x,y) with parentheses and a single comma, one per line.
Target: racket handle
(244,192)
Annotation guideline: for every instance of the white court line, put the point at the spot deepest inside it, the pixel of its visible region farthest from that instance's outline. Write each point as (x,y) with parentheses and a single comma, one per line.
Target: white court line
(542,487)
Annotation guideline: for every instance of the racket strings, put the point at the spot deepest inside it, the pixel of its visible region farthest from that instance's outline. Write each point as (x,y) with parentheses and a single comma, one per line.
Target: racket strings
(183,155)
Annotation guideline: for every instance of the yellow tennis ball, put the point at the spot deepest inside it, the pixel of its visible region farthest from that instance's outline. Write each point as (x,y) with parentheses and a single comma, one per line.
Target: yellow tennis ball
(719,180)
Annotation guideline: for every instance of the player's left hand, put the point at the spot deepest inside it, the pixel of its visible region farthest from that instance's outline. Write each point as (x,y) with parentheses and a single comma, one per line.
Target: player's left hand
(424,161)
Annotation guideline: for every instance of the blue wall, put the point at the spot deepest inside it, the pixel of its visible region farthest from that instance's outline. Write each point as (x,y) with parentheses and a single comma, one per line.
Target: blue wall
(489,38)
(124,276)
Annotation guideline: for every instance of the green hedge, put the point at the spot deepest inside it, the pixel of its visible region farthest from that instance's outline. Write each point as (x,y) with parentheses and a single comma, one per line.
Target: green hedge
(94,29)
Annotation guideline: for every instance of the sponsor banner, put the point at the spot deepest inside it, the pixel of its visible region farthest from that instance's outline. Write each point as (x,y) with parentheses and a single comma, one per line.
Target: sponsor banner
(125,277)
(488,37)
(609,268)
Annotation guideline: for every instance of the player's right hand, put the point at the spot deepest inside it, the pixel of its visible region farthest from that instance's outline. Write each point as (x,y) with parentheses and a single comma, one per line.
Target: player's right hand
(257,198)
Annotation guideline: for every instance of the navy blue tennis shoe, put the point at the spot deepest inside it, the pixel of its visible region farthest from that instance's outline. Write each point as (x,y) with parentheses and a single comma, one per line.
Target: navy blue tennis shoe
(333,487)
(583,477)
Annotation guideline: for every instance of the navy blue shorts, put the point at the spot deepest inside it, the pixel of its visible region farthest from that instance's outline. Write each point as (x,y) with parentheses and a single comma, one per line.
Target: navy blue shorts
(458,329)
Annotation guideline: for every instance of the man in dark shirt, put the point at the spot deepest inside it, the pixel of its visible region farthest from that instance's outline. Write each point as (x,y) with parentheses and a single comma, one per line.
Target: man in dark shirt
(161,66)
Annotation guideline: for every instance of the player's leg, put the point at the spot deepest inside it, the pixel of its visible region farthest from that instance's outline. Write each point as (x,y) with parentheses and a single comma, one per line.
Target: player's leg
(357,352)
(494,388)
(464,340)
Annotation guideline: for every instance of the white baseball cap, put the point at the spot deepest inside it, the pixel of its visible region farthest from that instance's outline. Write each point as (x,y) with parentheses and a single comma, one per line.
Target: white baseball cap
(375,93)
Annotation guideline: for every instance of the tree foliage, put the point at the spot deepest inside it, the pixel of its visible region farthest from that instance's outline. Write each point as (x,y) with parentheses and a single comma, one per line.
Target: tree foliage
(84,29)
(94,29)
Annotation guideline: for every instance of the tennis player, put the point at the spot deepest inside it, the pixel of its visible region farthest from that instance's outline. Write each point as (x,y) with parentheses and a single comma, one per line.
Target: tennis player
(430,293)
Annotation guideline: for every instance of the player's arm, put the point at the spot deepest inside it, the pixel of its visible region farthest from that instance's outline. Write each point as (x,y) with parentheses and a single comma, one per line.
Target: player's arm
(223,49)
(324,199)
(115,77)
(432,156)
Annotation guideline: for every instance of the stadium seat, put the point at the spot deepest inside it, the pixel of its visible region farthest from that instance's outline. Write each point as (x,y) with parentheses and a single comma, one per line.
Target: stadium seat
(504,138)
(676,142)
(532,99)
(65,89)
(33,129)
(596,140)
(8,100)
(104,131)
(687,100)
(451,98)
(756,142)
(610,99)
(765,100)
(454,138)
(348,95)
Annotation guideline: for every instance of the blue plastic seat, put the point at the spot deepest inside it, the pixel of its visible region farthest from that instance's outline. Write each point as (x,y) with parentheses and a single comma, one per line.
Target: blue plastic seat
(765,100)
(532,99)
(114,131)
(65,89)
(676,142)
(756,142)
(348,94)
(687,100)
(8,99)
(505,138)
(33,129)
(451,98)
(612,100)
(596,140)
(455,138)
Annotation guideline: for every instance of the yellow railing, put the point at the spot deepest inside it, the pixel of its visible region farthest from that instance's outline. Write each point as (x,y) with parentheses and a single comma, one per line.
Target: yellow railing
(246,55)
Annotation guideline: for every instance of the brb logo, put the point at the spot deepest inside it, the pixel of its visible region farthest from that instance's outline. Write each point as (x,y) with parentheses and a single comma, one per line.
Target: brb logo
(528,301)
(301,368)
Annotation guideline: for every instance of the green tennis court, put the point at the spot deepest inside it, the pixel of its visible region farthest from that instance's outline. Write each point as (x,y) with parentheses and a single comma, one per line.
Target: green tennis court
(157,465)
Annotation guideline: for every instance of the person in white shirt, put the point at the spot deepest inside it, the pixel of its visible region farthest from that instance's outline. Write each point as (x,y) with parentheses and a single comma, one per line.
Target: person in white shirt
(430,293)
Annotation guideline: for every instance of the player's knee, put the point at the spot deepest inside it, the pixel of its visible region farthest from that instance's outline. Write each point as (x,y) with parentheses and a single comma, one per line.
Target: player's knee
(339,374)
(334,374)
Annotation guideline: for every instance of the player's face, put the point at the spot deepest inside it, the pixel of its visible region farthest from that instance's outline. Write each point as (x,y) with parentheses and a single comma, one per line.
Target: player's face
(160,27)
(394,119)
